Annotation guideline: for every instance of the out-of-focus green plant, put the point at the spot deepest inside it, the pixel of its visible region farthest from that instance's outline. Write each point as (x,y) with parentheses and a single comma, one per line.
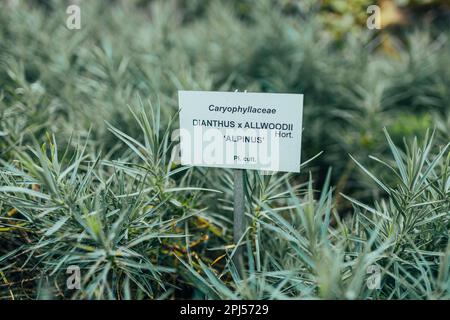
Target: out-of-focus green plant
(116,183)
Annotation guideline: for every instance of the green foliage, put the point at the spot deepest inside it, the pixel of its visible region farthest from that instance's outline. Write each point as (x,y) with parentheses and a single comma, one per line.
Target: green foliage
(88,171)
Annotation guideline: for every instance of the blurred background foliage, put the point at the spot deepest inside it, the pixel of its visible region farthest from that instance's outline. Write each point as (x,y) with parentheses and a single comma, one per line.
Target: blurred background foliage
(69,90)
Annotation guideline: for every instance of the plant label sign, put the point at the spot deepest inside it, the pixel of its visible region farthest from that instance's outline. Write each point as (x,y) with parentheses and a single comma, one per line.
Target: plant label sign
(240,130)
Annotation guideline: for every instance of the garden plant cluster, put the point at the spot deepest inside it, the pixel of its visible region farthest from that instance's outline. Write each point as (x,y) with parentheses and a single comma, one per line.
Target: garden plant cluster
(88,170)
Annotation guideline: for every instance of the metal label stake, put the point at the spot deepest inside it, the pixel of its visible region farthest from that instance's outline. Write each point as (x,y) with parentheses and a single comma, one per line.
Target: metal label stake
(238,219)
(256,111)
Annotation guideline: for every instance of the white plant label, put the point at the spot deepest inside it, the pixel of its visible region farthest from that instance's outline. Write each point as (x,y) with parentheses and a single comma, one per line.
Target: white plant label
(259,131)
